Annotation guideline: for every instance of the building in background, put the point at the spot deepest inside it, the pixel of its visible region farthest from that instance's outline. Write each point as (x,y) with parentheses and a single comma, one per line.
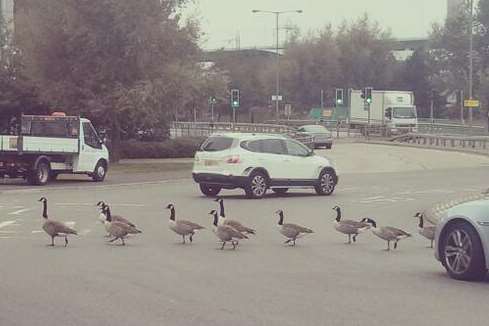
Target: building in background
(454,7)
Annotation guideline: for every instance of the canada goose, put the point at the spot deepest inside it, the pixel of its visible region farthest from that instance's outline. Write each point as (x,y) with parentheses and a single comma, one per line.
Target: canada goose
(427,231)
(387,233)
(291,231)
(53,228)
(226,233)
(118,230)
(234,224)
(182,227)
(349,227)
(115,218)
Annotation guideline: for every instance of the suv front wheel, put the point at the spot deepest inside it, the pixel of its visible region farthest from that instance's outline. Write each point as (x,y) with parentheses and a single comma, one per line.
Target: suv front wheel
(257,185)
(326,182)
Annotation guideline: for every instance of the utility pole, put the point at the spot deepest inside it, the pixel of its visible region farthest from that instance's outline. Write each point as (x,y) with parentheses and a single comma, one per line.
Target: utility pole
(471,57)
(322,99)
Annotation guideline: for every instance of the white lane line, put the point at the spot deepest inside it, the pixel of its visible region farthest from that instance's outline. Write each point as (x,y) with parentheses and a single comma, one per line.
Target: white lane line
(93,205)
(20,211)
(85,232)
(37,231)
(7,223)
(7,232)
(70,224)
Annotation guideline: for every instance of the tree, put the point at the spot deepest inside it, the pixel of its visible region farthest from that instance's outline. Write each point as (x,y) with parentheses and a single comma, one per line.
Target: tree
(122,63)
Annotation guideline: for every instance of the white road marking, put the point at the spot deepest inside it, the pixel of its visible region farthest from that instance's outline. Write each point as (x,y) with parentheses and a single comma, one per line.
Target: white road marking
(90,205)
(7,223)
(37,231)
(70,224)
(85,232)
(20,211)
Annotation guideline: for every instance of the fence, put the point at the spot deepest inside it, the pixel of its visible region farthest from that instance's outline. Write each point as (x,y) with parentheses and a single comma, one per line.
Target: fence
(204,129)
(476,144)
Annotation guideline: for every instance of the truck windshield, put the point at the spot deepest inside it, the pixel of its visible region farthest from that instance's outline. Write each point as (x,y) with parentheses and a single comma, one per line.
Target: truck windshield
(405,113)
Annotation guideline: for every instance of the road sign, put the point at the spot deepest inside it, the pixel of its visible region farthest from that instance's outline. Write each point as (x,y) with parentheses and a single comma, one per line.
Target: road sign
(288,110)
(471,103)
(277,98)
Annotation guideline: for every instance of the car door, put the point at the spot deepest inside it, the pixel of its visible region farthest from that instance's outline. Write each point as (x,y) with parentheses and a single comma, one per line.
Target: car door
(299,162)
(272,157)
(90,148)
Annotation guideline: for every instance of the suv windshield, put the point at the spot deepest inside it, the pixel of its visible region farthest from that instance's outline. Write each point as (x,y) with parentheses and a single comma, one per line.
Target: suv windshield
(216,144)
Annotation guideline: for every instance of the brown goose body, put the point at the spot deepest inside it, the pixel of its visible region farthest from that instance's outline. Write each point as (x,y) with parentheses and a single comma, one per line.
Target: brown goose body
(54,228)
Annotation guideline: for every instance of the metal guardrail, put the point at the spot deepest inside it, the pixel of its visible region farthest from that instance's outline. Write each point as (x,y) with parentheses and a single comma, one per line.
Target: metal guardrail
(477,144)
(205,129)
(451,129)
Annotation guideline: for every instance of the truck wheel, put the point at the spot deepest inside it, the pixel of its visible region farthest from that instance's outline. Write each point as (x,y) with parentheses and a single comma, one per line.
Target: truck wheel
(208,190)
(100,172)
(40,175)
(326,182)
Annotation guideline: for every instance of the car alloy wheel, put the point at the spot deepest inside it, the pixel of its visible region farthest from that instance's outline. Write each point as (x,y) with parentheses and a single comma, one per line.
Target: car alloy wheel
(458,251)
(258,185)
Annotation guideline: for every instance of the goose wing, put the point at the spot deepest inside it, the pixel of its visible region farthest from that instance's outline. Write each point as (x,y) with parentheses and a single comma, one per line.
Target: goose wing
(428,232)
(191,225)
(355,224)
(54,227)
(396,232)
(118,218)
(238,226)
(298,228)
(233,233)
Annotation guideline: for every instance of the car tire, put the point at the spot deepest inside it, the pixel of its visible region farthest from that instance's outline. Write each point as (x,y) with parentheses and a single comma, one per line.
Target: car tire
(462,254)
(280,191)
(40,175)
(208,190)
(326,182)
(257,185)
(100,172)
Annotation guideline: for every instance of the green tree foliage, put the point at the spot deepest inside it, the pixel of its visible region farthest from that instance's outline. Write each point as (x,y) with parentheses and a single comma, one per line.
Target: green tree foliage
(123,63)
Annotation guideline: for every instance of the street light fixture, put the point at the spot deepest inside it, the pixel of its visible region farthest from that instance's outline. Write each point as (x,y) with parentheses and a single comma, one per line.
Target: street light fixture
(277,79)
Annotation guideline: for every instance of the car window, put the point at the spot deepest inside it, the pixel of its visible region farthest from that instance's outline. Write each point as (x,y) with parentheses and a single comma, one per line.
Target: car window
(90,136)
(216,144)
(273,146)
(296,149)
(252,146)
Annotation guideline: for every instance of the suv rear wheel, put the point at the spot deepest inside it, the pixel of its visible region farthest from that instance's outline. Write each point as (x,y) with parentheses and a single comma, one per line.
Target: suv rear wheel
(326,182)
(257,185)
(462,254)
(208,190)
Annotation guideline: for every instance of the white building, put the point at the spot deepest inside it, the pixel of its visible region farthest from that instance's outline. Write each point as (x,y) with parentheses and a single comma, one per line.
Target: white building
(454,7)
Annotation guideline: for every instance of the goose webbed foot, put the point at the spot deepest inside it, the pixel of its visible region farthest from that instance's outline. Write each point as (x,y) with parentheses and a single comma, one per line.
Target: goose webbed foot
(183,239)
(355,238)
(223,244)
(191,237)
(395,245)
(66,241)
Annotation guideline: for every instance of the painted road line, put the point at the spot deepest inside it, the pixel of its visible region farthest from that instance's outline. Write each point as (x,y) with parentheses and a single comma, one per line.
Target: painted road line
(70,224)
(20,211)
(93,205)
(7,223)
(37,231)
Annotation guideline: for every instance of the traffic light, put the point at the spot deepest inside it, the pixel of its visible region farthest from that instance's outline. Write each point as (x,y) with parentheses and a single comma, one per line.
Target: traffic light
(235,98)
(363,93)
(339,96)
(368,95)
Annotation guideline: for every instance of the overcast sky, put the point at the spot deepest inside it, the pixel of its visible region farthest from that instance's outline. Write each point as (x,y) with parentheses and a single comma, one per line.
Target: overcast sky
(223,19)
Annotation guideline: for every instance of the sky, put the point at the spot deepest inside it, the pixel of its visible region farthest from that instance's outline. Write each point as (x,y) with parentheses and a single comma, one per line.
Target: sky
(222,20)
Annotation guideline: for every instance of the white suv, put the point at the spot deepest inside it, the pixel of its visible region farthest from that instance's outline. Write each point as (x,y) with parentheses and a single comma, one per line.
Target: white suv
(257,162)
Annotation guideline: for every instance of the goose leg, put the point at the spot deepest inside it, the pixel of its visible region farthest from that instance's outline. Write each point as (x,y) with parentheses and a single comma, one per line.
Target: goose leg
(123,243)
(388,246)
(431,244)
(113,240)
(395,245)
(235,243)
(293,241)
(355,237)
(52,241)
(223,244)
(349,238)
(183,237)
(66,241)
(191,236)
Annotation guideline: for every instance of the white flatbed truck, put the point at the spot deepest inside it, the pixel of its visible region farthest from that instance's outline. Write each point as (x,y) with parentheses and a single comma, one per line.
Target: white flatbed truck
(42,147)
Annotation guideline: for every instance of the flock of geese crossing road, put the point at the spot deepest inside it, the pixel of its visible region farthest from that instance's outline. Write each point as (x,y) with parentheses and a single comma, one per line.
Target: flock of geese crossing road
(231,231)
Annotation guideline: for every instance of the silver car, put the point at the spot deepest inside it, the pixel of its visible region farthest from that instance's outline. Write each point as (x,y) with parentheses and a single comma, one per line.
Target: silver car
(462,238)
(322,137)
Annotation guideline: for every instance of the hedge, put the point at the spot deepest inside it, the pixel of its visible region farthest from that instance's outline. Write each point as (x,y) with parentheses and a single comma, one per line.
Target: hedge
(173,148)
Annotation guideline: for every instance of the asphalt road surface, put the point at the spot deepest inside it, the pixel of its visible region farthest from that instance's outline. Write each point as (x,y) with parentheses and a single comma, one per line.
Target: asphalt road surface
(155,280)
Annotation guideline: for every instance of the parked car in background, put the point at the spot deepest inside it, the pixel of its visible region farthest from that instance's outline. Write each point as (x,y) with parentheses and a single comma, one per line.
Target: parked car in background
(322,137)
(258,162)
(462,239)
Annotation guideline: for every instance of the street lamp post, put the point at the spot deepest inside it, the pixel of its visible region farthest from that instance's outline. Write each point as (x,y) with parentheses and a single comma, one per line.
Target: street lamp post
(277,59)
(471,57)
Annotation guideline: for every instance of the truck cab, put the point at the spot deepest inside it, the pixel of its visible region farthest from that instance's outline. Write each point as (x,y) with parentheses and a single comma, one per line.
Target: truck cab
(401,118)
(42,147)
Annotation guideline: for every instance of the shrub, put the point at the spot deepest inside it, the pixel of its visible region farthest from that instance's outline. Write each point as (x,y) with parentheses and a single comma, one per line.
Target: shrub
(173,148)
